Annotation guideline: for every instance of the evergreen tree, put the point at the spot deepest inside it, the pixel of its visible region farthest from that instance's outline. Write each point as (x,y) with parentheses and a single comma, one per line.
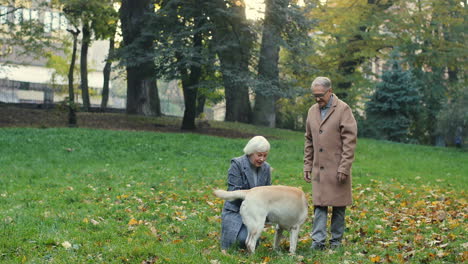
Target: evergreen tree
(392,108)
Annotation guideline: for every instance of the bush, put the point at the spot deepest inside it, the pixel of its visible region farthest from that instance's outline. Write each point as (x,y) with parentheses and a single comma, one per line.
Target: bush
(452,120)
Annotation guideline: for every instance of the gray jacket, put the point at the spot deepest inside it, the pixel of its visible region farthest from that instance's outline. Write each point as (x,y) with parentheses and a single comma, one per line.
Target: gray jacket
(240,177)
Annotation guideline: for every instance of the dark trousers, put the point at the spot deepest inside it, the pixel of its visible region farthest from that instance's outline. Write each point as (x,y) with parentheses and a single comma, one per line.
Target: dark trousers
(319,230)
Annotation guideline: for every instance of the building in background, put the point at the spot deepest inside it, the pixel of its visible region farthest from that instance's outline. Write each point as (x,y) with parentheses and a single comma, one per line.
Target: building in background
(27,79)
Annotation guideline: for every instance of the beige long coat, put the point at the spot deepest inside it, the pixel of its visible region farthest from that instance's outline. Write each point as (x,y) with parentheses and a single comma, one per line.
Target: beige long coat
(329,149)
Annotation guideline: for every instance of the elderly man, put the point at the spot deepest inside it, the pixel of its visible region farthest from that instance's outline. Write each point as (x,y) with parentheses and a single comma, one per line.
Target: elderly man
(330,140)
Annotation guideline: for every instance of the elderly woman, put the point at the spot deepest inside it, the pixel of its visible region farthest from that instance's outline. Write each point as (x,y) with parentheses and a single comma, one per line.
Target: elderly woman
(246,172)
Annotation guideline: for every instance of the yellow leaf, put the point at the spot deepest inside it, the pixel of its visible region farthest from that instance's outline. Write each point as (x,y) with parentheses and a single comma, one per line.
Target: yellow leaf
(419,203)
(132,222)
(85,220)
(375,259)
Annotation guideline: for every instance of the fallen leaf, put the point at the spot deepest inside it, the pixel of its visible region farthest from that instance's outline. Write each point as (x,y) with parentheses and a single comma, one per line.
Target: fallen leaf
(66,245)
(375,259)
(133,222)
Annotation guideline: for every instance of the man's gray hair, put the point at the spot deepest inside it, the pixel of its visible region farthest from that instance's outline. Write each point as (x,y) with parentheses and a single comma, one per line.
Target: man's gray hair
(322,81)
(257,144)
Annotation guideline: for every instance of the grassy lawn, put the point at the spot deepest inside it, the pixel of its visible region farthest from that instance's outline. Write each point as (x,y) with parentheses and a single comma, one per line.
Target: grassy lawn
(101,196)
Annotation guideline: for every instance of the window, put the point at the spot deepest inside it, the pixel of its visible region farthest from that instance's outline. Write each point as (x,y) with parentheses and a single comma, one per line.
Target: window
(63,22)
(34,15)
(55,20)
(18,16)
(47,21)
(26,14)
(3,14)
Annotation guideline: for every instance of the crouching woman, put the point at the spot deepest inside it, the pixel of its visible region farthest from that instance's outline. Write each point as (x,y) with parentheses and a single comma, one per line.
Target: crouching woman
(247,171)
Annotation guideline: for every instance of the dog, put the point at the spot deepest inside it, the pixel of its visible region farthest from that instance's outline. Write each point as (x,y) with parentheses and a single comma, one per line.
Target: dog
(283,205)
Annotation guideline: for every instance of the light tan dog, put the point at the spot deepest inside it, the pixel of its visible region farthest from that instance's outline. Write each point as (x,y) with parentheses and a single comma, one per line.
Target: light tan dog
(283,205)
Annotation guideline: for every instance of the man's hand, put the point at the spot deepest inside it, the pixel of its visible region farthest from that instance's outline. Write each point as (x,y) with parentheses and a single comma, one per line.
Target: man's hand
(341,177)
(307,176)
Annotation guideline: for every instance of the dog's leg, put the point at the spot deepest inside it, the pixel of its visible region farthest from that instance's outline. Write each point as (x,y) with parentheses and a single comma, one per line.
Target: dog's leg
(293,236)
(253,217)
(254,233)
(278,236)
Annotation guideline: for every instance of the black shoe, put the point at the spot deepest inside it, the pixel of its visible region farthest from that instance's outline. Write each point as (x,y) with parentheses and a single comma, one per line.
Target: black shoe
(335,246)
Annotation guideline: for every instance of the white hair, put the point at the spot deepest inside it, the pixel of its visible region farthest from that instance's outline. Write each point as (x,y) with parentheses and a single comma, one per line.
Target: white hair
(257,144)
(322,81)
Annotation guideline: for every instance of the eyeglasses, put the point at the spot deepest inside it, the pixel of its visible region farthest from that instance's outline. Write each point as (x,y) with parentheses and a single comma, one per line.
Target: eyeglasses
(320,95)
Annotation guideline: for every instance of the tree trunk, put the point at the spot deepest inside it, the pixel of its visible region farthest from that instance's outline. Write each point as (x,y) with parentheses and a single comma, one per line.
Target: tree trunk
(142,91)
(268,73)
(190,102)
(144,100)
(190,82)
(233,41)
(72,120)
(201,99)
(106,72)
(84,65)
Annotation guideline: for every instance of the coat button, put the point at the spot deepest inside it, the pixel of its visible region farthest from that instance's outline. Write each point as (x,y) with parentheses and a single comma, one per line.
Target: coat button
(321,150)
(320,131)
(322,168)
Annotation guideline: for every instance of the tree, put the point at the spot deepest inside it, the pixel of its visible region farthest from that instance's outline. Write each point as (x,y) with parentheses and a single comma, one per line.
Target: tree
(345,43)
(71,93)
(268,72)
(297,67)
(105,27)
(96,18)
(452,121)
(106,74)
(182,39)
(232,42)
(77,13)
(142,92)
(392,108)
(85,42)
(430,34)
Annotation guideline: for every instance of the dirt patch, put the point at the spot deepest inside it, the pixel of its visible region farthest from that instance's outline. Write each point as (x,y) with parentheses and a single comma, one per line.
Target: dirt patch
(36,116)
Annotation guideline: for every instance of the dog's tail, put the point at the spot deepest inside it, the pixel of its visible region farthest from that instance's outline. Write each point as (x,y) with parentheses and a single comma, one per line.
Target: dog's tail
(231,195)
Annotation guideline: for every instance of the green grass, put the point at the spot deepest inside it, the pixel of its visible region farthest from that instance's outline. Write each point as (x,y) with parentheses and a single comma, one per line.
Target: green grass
(95,196)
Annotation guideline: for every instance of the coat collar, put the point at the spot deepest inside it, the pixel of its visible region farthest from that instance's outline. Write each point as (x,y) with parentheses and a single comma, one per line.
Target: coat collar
(246,167)
(330,111)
